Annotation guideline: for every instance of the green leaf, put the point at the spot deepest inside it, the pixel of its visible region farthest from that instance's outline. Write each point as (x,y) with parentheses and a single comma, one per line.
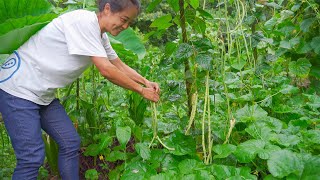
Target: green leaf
(92,174)
(123,135)
(20,8)
(185,146)
(223,150)
(187,166)
(163,22)
(306,24)
(199,25)
(153,5)
(20,20)
(271,23)
(289,89)
(267,151)
(130,41)
(239,65)
(143,150)
(16,37)
(247,151)
(225,172)
(138,170)
(300,68)
(251,113)
(115,156)
(184,51)
(204,60)
(174,4)
(194,3)
(284,162)
(311,167)
(259,131)
(285,140)
(285,14)
(315,44)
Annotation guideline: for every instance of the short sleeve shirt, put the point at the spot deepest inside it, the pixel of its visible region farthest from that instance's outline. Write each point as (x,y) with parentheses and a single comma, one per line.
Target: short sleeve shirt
(54,57)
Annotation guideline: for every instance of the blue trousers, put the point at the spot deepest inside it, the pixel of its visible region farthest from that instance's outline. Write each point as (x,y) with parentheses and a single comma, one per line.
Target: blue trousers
(24,120)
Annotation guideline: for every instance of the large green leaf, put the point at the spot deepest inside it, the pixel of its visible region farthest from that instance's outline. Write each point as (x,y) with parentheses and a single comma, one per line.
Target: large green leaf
(204,61)
(20,8)
(226,172)
(138,170)
(248,150)
(284,162)
(251,113)
(15,32)
(315,44)
(143,150)
(181,143)
(223,150)
(130,41)
(162,22)
(123,134)
(305,24)
(20,19)
(300,68)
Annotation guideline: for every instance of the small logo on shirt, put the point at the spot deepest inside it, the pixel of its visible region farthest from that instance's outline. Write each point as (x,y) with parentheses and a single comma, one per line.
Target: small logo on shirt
(10,67)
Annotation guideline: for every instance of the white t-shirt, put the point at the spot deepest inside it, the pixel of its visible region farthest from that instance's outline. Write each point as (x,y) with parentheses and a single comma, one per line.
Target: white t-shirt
(54,57)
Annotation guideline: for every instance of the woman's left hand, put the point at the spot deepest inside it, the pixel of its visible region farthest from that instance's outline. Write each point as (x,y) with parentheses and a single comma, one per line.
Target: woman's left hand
(153,85)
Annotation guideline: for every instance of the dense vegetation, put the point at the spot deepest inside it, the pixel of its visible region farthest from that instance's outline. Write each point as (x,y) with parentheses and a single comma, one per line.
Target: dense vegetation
(240,92)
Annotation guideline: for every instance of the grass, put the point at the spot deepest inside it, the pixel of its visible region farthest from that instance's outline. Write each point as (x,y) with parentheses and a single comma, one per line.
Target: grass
(7,157)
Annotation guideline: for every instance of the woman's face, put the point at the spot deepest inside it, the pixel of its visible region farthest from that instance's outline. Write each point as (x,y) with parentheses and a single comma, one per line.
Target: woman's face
(114,23)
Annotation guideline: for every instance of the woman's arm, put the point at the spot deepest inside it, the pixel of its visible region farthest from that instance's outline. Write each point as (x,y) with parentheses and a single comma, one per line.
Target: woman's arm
(116,76)
(134,75)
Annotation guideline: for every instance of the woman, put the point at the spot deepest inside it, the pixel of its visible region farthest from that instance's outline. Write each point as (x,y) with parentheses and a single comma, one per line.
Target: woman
(51,59)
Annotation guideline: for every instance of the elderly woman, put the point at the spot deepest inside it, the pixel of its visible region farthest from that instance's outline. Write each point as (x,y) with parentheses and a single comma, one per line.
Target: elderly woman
(51,59)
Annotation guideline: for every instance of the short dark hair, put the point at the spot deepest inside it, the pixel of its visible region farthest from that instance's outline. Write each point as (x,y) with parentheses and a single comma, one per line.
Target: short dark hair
(118,5)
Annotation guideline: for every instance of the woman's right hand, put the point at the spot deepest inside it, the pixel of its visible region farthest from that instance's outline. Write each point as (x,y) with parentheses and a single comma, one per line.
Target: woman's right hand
(150,94)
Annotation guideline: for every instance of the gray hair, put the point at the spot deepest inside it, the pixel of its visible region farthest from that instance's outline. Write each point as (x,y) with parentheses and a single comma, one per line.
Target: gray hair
(118,5)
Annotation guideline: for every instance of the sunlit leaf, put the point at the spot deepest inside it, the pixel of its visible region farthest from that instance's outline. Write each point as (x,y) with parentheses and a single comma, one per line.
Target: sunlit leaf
(284,162)
(248,150)
(223,150)
(162,22)
(300,68)
(153,5)
(251,113)
(143,150)
(123,134)
(306,24)
(315,44)
(204,61)
(130,41)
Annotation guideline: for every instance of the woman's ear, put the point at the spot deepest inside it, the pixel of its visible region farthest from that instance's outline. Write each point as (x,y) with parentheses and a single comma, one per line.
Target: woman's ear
(107,8)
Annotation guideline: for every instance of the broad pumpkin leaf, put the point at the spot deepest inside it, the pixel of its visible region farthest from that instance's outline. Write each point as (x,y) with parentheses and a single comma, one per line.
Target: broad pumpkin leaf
(225,172)
(138,170)
(315,44)
(185,146)
(251,113)
(130,41)
(311,167)
(306,24)
(187,166)
(123,135)
(300,68)
(223,150)
(19,8)
(247,151)
(284,162)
